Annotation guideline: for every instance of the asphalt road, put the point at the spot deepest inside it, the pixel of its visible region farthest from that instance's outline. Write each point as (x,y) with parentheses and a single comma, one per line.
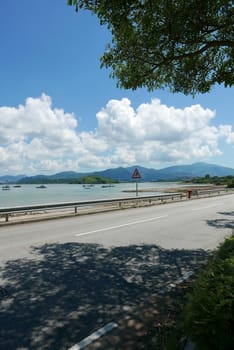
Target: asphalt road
(63,279)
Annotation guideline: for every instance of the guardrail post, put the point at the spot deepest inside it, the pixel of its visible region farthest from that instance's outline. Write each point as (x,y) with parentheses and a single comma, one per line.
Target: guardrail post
(7,217)
(75,210)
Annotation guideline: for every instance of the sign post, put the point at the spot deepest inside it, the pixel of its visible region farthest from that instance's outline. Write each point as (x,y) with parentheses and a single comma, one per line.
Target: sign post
(136,175)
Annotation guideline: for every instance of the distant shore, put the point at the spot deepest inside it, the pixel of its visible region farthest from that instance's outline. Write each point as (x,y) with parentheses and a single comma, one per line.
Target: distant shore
(182,189)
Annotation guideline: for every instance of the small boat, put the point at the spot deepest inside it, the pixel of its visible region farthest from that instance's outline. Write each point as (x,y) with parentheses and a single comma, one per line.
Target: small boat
(6,188)
(88,186)
(17,186)
(41,186)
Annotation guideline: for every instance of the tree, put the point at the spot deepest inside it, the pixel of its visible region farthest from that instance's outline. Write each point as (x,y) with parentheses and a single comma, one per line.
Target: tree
(184,45)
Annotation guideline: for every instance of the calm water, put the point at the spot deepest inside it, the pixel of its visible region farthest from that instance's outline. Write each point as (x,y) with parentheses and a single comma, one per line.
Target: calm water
(29,194)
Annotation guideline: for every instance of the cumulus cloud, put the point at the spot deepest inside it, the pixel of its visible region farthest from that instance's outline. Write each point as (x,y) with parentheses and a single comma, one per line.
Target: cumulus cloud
(226,132)
(37,138)
(158,133)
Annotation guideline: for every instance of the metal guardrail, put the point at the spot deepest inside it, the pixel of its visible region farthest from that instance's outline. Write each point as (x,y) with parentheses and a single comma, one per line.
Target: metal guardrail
(8,211)
(11,211)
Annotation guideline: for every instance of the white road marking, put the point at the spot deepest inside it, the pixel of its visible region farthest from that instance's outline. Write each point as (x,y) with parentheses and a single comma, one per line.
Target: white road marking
(94,336)
(119,226)
(174,284)
(208,206)
(109,326)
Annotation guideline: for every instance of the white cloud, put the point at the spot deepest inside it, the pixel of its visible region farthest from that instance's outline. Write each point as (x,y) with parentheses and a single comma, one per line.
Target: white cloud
(226,132)
(117,122)
(37,138)
(160,134)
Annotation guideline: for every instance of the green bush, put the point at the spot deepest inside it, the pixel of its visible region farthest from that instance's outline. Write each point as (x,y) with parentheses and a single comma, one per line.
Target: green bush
(208,316)
(226,250)
(230,184)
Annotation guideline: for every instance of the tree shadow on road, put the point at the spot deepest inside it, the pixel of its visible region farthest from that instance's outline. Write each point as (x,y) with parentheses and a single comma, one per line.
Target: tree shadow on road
(67,291)
(227,222)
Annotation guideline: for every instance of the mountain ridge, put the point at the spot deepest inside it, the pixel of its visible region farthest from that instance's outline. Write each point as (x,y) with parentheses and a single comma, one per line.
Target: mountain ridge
(176,172)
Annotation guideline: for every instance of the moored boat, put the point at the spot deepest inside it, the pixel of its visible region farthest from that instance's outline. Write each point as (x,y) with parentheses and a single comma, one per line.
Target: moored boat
(6,188)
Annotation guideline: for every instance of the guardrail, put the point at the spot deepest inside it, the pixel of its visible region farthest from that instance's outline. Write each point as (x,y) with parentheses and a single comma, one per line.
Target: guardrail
(119,203)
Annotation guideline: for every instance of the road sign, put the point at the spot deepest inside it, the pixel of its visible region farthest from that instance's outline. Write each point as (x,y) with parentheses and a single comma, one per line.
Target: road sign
(136,174)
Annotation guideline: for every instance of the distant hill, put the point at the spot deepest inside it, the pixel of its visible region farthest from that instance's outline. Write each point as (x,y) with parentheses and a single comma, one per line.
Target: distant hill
(67,175)
(10,178)
(178,172)
(196,170)
(125,174)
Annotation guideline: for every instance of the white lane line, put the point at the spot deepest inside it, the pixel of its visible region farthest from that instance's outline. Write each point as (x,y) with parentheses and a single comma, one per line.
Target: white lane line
(208,206)
(119,226)
(94,336)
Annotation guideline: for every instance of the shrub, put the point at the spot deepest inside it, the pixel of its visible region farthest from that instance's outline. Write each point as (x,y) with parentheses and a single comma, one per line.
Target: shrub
(208,316)
(226,250)
(230,184)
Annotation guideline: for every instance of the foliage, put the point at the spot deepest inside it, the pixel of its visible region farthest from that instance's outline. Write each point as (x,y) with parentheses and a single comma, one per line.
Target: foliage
(187,46)
(91,179)
(209,312)
(216,180)
(226,250)
(231,184)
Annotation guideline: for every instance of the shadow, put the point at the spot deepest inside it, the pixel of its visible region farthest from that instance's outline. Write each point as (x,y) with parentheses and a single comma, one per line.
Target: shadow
(223,223)
(67,291)
(231,213)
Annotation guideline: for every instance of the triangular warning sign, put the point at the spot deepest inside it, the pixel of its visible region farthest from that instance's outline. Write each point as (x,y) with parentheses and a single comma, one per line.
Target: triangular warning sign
(136,174)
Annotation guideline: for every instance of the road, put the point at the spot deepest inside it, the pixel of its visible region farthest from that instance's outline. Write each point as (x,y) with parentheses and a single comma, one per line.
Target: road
(63,279)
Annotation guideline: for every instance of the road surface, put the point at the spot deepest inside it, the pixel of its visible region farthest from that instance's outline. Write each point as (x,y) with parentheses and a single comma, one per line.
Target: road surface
(63,279)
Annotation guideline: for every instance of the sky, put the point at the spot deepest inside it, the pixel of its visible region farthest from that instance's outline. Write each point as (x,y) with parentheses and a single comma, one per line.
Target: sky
(59,111)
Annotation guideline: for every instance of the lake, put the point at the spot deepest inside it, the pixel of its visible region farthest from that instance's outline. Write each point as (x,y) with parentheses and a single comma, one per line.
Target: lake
(58,193)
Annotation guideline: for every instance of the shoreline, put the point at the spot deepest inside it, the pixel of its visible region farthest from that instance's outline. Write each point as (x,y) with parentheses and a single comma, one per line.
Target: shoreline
(181,192)
(182,189)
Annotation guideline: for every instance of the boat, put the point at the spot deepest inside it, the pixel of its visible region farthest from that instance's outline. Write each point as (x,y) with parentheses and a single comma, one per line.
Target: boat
(88,186)
(41,186)
(17,186)
(6,188)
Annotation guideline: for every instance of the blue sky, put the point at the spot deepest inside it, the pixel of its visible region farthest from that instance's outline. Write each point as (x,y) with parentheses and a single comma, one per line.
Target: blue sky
(60,111)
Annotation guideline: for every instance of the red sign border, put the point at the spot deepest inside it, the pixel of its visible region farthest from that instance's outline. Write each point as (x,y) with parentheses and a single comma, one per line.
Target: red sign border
(136,174)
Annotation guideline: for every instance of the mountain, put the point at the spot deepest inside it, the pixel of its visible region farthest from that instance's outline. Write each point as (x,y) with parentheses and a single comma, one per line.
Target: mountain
(67,175)
(178,172)
(125,174)
(10,178)
(195,170)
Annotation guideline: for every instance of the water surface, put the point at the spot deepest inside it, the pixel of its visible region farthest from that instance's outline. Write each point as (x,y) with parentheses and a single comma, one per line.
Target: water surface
(59,193)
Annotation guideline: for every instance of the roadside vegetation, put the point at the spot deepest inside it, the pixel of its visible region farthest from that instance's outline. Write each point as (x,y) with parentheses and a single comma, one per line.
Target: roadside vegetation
(208,315)
(227,181)
(203,309)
